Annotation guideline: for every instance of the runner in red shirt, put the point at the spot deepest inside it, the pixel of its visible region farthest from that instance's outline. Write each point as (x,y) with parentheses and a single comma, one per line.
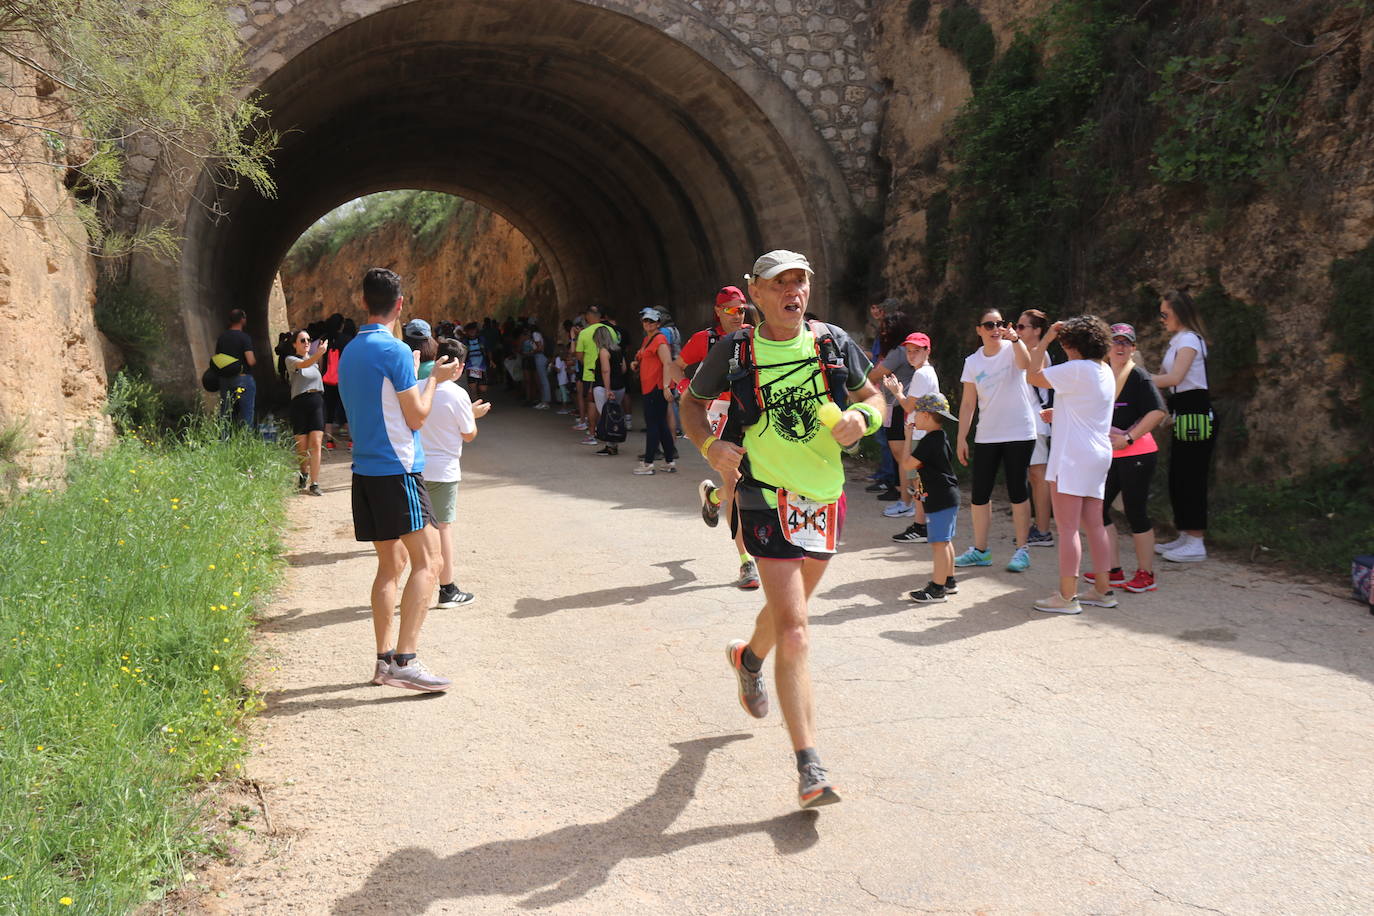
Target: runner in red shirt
(730,310)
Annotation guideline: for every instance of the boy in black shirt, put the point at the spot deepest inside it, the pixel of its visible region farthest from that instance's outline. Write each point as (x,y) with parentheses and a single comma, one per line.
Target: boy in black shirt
(940,492)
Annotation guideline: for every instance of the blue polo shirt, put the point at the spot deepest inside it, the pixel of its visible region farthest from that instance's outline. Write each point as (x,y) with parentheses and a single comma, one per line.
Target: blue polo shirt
(374,368)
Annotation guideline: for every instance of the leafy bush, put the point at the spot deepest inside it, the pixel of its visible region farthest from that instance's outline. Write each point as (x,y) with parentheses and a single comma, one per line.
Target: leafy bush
(126,610)
(131,315)
(1352,280)
(134,404)
(964,31)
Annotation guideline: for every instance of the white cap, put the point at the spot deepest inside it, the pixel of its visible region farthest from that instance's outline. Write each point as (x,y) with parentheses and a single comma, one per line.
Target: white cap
(775,262)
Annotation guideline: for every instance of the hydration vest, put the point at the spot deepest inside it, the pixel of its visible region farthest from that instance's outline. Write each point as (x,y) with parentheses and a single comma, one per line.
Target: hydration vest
(746,397)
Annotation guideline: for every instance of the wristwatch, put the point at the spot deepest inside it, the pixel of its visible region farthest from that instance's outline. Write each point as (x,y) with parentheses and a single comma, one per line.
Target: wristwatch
(1130,440)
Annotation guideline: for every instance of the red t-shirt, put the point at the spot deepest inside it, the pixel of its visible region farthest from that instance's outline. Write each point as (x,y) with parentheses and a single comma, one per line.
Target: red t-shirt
(650,366)
(694,351)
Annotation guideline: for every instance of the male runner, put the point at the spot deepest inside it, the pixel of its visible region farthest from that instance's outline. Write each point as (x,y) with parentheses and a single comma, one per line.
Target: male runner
(789,499)
(730,306)
(386,408)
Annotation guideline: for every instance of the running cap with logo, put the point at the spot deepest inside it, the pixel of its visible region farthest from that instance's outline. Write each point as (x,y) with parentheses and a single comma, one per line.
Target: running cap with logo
(917,340)
(775,262)
(650,314)
(934,403)
(1124,330)
(416,329)
(729,294)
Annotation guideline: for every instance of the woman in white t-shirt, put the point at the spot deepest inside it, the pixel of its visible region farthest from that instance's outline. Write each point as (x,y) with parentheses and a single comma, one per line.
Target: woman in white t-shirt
(1084,394)
(924,381)
(994,380)
(1190,456)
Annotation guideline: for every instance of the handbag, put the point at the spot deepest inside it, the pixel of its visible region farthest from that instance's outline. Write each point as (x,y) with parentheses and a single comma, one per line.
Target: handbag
(209,379)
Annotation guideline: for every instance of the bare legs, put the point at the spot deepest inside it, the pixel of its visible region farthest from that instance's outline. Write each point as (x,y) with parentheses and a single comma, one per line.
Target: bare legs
(1073,512)
(446,552)
(782,624)
(422,549)
(308,449)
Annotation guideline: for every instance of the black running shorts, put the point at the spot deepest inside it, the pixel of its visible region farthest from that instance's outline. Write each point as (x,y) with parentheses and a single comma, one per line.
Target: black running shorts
(763,537)
(385,508)
(307,413)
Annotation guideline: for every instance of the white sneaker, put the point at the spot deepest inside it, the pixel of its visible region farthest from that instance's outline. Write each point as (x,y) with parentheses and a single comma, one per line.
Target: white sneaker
(542,405)
(643,468)
(1192,551)
(900,510)
(1171,545)
(667,467)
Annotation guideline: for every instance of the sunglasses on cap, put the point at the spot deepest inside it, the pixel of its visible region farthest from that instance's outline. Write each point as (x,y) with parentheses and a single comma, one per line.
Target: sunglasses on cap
(994,325)
(731,309)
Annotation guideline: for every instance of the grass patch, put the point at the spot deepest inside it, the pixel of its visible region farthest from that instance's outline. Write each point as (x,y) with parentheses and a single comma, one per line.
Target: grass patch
(1315,523)
(125,616)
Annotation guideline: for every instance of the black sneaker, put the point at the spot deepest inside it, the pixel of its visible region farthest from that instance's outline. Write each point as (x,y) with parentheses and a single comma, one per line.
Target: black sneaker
(891,494)
(876,486)
(951,586)
(608,450)
(915,533)
(451,596)
(302,479)
(931,594)
(314,490)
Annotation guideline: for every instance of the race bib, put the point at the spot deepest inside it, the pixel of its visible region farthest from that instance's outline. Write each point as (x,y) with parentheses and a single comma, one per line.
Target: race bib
(806,523)
(716,415)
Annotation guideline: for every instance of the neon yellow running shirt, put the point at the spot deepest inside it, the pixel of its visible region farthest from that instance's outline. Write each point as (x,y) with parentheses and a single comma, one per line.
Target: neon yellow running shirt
(789,447)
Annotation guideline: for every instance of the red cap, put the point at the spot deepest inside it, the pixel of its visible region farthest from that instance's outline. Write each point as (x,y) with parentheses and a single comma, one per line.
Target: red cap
(729,294)
(917,340)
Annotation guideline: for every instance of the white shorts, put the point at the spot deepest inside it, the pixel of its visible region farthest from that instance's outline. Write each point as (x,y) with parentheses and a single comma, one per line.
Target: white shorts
(599,395)
(1041,454)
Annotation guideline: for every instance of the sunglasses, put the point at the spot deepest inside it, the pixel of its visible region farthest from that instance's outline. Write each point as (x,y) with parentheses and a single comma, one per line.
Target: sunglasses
(1163,314)
(302,340)
(994,325)
(1024,327)
(731,309)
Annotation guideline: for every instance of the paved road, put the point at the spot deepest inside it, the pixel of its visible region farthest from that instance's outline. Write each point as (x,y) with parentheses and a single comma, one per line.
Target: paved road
(1205,747)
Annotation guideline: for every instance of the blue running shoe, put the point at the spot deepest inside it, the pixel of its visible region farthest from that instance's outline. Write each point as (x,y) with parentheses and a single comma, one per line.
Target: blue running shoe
(974,557)
(1020,560)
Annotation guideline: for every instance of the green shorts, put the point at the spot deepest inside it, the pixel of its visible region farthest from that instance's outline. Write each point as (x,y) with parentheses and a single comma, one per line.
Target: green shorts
(443,500)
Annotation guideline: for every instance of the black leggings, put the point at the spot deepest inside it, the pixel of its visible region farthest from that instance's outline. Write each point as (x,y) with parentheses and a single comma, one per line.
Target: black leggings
(1131,478)
(1190,458)
(1014,457)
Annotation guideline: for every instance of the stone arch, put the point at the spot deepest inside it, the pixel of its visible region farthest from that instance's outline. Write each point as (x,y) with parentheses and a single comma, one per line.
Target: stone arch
(646,153)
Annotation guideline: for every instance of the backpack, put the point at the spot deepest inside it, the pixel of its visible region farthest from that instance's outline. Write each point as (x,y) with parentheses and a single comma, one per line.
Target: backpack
(746,398)
(610,426)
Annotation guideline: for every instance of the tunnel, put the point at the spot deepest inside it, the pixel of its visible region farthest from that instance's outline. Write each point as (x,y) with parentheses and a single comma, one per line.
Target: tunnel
(641,171)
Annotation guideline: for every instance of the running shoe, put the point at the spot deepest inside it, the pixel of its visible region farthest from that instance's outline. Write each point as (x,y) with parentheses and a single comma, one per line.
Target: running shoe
(1116,578)
(1194,551)
(890,495)
(1058,604)
(1099,599)
(1019,562)
(668,467)
(710,512)
(314,490)
(591,440)
(753,693)
(607,451)
(641,468)
(1162,548)
(900,510)
(877,486)
(542,405)
(329,444)
(951,586)
(748,576)
(451,596)
(974,557)
(302,479)
(815,788)
(915,533)
(379,672)
(931,594)
(1040,538)
(415,676)
(1142,582)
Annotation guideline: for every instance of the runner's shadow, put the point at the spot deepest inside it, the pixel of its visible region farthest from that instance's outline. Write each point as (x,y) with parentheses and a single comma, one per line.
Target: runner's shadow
(295,620)
(308,699)
(618,595)
(325,558)
(565,864)
(972,620)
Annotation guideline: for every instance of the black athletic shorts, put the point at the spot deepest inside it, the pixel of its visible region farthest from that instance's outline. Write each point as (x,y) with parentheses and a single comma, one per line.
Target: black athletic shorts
(384,508)
(763,538)
(307,413)
(896,427)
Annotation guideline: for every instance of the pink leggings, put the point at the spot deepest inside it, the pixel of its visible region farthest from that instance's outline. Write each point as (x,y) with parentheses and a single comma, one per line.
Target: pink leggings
(1070,512)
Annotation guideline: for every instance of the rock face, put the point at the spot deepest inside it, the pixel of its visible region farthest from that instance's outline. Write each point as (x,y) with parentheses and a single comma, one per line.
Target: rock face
(1273,252)
(52,364)
(475,269)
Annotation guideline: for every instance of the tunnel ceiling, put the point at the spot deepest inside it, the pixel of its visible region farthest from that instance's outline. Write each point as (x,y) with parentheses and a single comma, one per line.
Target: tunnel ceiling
(640,172)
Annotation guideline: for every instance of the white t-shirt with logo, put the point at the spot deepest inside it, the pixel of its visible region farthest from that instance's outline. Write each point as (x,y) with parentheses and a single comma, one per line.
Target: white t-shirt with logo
(923,381)
(1004,402)
(450,415)
(1196,379)
(1084,396)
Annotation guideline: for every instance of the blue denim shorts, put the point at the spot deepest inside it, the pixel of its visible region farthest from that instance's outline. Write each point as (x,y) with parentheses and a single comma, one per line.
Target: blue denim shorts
(940,526)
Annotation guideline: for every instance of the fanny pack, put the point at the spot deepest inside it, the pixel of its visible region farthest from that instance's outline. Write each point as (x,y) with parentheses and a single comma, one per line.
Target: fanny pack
(1193,427)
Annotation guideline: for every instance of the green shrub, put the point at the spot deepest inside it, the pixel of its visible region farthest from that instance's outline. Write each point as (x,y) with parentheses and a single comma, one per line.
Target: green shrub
(125,612)
(937,236)
(964,31)
(1352,281)
(132,316)
(134,404)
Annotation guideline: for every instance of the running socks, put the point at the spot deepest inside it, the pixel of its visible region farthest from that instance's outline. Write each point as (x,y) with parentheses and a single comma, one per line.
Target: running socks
(751,662)
(385,656)
(400,661)
(807,755)
(745,558)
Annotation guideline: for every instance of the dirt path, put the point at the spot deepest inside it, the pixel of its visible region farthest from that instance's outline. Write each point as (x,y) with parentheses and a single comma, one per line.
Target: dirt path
(1206,746)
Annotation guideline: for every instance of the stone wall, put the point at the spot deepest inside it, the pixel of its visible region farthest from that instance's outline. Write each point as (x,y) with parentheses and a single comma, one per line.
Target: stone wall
(52,358)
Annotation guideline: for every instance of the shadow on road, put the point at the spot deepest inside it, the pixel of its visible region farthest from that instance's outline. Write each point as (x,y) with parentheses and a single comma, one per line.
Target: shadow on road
(322,558)
(567,863)
(309,699)
(295,619)
(678,576)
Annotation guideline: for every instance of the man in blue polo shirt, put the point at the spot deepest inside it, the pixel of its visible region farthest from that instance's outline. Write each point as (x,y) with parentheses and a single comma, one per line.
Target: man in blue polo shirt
(386,408)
